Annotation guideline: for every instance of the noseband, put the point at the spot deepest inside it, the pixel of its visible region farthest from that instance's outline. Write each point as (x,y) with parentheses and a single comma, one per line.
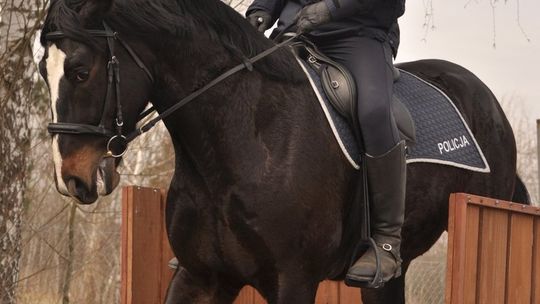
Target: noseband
(117,138)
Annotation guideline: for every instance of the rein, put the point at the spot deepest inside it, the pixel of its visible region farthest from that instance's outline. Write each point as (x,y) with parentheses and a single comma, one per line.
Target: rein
(118,139)
(247,64)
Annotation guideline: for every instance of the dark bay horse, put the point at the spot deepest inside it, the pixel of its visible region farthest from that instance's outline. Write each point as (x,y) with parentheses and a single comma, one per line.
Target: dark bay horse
(261,194)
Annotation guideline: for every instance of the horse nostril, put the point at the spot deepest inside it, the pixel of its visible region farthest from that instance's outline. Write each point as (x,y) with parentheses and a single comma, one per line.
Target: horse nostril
(80,190)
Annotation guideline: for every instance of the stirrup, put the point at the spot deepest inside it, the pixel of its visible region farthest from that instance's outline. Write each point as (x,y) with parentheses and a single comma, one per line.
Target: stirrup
(377,281)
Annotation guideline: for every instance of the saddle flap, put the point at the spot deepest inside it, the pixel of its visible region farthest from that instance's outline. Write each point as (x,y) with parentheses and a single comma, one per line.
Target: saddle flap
(340,88)
(337,83)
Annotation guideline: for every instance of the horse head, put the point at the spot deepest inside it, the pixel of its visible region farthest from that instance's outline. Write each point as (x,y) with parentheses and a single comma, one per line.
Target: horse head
(92,109)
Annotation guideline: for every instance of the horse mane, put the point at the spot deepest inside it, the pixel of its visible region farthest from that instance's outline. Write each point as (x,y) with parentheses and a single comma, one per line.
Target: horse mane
(177,20)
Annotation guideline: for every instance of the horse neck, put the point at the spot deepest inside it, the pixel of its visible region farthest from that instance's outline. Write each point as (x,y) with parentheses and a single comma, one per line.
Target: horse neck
(219,136)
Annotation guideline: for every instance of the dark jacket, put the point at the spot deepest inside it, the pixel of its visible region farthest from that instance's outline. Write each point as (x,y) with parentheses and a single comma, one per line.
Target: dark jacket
(371,17)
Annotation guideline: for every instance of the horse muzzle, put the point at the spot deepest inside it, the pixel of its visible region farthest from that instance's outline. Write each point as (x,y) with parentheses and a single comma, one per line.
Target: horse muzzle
(87,184)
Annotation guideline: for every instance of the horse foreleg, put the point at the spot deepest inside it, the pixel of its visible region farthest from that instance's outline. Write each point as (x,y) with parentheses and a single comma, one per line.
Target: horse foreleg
(208,289)
(295,288)
(393,292)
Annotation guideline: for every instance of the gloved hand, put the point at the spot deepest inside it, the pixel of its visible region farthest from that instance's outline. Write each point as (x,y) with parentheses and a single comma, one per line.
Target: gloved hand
(260,20)
(312,16)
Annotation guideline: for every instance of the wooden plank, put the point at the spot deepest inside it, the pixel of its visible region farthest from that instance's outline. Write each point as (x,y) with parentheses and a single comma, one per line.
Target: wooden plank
(471,254)
(327,293)
(166,251)
(246,296)
(500,204)
(144,224)
(457,228)
(492,256)
(535,297)
(450,248)
(249,295)
(125,272)
(348,294)
(518,288)
(257,298)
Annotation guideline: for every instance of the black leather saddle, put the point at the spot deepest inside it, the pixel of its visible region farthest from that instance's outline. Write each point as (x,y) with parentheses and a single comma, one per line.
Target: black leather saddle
(340,88)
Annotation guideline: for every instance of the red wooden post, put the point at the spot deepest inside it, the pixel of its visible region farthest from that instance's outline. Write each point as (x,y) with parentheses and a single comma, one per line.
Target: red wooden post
(145,249)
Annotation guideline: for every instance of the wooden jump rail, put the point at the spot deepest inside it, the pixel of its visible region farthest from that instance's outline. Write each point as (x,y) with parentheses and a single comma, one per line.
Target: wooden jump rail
(493,251)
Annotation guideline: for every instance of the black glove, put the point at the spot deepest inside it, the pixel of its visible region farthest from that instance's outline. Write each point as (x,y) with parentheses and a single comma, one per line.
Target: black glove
(260,20)
(312,16)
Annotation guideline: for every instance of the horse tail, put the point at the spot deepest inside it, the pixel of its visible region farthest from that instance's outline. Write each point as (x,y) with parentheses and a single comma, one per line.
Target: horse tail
(521,194)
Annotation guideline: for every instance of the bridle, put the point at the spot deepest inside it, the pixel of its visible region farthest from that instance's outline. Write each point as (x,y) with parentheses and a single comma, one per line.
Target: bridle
(115,138)
(118,141)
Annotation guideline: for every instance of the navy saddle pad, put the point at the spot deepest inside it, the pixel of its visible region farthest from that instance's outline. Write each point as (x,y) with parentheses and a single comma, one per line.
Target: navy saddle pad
(442,135)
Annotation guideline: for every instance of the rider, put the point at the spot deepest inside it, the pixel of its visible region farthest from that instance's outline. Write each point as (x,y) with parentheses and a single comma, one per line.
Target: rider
(362,35)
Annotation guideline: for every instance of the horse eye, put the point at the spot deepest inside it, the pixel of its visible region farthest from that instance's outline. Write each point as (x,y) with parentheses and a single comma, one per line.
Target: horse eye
(82,76)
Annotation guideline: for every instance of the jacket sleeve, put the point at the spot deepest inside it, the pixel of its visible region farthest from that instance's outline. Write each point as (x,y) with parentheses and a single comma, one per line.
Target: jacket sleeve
(273,7)
(340,9)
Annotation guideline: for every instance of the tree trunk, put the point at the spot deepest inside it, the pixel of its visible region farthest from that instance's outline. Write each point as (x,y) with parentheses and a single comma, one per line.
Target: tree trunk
(17,27)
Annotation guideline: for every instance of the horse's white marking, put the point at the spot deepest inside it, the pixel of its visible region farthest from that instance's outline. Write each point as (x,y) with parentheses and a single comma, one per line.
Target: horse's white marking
(55,72)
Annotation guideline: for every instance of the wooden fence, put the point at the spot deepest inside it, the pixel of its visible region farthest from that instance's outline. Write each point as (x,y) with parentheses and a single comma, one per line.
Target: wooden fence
(493,251)
(146,253)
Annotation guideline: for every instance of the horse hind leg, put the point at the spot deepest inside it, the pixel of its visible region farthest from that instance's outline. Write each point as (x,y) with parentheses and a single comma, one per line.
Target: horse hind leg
(186,287)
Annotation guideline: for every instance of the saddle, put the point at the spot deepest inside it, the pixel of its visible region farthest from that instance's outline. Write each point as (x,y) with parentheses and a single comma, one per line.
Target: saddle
(340,88)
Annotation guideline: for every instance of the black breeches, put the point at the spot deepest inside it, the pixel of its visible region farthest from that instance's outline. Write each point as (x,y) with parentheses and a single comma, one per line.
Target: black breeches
(370,62)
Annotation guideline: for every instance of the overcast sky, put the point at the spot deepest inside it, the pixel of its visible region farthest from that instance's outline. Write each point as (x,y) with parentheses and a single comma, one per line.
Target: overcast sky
(464,34)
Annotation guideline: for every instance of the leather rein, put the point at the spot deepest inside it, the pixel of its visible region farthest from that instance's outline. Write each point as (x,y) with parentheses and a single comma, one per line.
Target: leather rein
(117,143)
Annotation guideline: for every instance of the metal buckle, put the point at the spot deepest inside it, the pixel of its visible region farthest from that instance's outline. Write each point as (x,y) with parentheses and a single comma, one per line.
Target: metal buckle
(312,59)
(387,247)
(122,141)
(113,62)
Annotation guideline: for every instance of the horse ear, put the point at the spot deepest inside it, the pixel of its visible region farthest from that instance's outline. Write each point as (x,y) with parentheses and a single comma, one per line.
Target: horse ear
(92,10)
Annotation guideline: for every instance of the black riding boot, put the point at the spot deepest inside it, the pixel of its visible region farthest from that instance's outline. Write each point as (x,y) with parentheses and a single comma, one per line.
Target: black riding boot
(386,178)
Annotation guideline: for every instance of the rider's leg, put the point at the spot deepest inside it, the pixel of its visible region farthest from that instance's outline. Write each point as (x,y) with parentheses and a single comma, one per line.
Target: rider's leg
(370,62)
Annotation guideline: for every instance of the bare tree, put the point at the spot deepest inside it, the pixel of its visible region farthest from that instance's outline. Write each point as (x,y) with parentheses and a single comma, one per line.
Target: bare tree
(18,25)
(430,24)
